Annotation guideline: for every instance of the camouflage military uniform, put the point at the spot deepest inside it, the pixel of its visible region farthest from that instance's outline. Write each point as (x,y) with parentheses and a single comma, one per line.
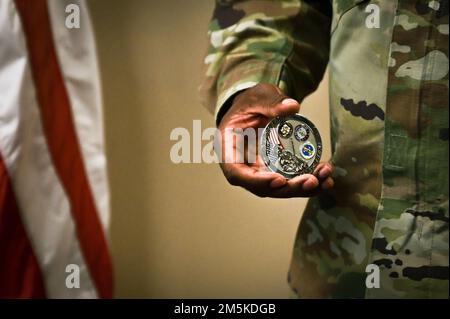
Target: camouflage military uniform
(389,131)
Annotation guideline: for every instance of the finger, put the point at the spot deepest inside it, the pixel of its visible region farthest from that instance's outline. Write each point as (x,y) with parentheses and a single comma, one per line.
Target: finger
(323,171)
(304,185)
(327,184)
(285,107)
(305,182)
(258,182)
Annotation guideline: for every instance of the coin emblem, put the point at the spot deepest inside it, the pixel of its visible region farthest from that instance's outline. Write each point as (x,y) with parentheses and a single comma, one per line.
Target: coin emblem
(301,132)
(285,129)
(308,150)
(291,146)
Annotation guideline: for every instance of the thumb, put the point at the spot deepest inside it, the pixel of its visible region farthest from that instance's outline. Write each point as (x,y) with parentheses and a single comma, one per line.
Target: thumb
(287,106)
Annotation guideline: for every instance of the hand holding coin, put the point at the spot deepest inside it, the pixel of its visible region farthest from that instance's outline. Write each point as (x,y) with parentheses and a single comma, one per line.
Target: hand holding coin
(255,108)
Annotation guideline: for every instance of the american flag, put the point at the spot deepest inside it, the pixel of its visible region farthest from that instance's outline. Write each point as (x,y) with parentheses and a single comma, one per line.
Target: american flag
(54,202)
(274,138)
(274,146)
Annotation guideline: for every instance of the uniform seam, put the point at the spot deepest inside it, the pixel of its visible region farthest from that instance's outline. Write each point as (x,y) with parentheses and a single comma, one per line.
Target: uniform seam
(381,202)
(431,256)
(432,64)
(344,12)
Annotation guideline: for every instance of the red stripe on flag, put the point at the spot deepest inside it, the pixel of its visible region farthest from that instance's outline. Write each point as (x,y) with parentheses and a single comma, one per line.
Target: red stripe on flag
(20,276)
(62,140)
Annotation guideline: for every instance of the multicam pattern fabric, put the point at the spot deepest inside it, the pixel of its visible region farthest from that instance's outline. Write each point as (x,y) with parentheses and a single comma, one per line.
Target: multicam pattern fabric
(389,131)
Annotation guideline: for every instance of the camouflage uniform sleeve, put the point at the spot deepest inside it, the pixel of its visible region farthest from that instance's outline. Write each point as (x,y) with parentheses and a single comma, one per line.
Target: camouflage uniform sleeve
(285,43)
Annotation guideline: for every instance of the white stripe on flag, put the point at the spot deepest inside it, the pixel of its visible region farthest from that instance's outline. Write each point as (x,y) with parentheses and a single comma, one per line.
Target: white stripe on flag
(43,204)
(78,63)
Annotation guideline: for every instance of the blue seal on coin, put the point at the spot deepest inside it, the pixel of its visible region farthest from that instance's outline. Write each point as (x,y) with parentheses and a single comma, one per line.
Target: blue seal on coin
(308,150)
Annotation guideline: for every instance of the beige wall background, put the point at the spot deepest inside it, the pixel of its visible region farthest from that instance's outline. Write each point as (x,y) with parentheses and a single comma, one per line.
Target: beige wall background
(180,231)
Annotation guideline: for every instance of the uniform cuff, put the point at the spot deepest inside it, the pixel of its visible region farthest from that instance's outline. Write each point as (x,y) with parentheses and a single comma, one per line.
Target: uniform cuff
(244,76)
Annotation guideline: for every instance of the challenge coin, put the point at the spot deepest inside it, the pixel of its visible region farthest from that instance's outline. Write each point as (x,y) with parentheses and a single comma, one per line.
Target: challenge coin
(291,146)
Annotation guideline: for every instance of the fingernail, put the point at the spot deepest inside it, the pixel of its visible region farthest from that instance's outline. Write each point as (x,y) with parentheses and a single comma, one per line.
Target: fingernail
(309,185)
(289,101)
(277,182)
(328,185)
(324,172)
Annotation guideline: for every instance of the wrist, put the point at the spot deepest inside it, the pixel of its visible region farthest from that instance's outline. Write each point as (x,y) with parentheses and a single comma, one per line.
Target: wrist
(227,106)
